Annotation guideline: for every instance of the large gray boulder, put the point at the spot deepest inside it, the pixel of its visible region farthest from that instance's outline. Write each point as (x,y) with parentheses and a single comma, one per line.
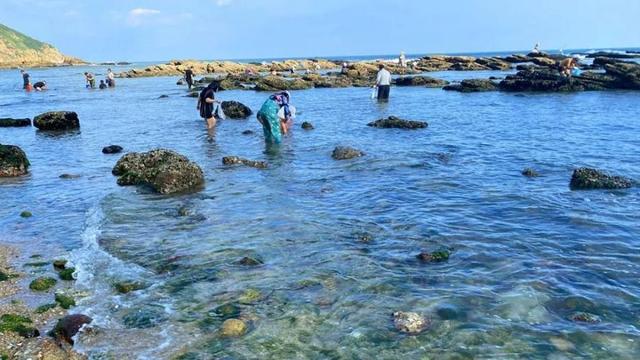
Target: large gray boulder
(57,120)
(13,161)
(163,170)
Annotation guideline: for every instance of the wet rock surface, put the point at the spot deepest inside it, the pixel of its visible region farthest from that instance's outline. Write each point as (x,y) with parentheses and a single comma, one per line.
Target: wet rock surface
(397,123)
(410,322)
(235,110)
(420,81)
(591,179)
(69,326)
(307,126)
(235,160)
(57,121)
(529,172)
(13,161)
(165,171)
(345,153)
(9,122)
(112,149)
(439,255)
(472,85)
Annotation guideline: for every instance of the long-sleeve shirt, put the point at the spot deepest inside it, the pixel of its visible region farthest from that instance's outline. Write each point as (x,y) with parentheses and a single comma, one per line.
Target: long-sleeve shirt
(384,78)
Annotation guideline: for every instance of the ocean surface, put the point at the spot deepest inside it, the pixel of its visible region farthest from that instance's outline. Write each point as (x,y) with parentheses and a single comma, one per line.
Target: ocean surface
(338,239)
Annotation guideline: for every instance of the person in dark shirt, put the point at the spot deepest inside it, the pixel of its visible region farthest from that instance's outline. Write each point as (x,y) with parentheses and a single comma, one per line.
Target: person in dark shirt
(188,76)
(102,85)
(205,103)
(40,86)
(25,79)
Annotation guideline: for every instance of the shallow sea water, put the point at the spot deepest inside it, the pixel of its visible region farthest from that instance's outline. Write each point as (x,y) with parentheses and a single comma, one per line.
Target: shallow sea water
(526,253)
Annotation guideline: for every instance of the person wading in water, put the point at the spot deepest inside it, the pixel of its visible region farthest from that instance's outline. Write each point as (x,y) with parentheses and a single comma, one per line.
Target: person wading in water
(205,103)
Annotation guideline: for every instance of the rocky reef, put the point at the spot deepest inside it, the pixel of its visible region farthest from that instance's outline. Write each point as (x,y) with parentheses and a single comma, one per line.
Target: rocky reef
(9,122)
(57,121)
(235,160)
(345,153)
(395,122)
(588,179)
(235,110)
(165,171)
(13,161)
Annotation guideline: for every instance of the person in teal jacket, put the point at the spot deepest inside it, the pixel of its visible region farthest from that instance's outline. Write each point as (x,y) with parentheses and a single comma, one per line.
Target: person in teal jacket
(268,116)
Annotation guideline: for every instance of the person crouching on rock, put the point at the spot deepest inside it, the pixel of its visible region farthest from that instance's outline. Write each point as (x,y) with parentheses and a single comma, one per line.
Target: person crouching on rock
(272,125)
(205,103)
(567,65)
(40,86)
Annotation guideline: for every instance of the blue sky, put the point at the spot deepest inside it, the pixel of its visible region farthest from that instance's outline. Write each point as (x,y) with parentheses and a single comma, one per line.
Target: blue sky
(102,30)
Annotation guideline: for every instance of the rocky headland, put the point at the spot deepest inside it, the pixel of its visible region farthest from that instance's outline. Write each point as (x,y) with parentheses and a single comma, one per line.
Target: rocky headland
(20,50)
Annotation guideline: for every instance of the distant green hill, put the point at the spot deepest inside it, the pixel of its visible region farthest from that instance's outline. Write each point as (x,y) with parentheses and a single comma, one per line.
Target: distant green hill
(18,49)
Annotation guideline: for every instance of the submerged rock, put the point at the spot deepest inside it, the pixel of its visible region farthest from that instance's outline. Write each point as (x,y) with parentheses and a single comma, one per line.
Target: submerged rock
(235,160)
(233,328)
(26,214)
(435,256)
(9,122)
(112,149)
(42,284)
(164,96)
(67,274)
(69,176)
(585,317)
(227,311)
(13,161)
(410,322)
(250,261)
(235,110)
(69,326)
(57,120)
(165,171)
(346,153)
(125,287)
(395,122)
(248,132)
(65,301)
(473,85)
(250,296)
(307,125)
(59,264)
(587,179)
(529,172)
(18,324)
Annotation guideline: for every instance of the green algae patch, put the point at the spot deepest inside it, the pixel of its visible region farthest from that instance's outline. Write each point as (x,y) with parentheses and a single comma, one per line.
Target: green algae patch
(125,287)
(65,301)
(19,324)
(42,284)
(250,296)
(36,264)
(46,307)
(67,274)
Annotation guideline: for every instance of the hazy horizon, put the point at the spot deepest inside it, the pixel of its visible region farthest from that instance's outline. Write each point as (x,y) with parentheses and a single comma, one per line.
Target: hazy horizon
(145,30)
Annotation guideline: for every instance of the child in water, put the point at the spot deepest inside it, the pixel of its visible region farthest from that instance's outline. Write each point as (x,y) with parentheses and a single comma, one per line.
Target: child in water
(102,85)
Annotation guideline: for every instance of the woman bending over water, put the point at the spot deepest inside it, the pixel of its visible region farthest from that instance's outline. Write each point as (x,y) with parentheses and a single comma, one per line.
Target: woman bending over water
(274,115)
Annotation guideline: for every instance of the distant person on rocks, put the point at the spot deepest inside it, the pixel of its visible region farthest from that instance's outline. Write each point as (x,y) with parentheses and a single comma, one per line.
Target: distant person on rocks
(274,72)
(40,86)
(568,65)
(205,103)
(102,85)
(188,77)
(402,60)
(25,79)
(345,68)
(274,112)
(111,78)
(91,80)
(536,49)
(383,83)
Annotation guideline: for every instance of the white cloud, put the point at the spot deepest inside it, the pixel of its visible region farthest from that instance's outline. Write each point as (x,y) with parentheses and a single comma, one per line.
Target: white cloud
(138,16)
(223,2)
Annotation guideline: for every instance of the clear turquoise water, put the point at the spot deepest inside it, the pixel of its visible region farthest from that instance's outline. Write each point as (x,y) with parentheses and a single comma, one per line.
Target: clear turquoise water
(527,253)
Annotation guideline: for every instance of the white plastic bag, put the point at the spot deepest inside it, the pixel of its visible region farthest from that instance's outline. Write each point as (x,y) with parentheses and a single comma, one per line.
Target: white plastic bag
(220,113)
(374,92)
